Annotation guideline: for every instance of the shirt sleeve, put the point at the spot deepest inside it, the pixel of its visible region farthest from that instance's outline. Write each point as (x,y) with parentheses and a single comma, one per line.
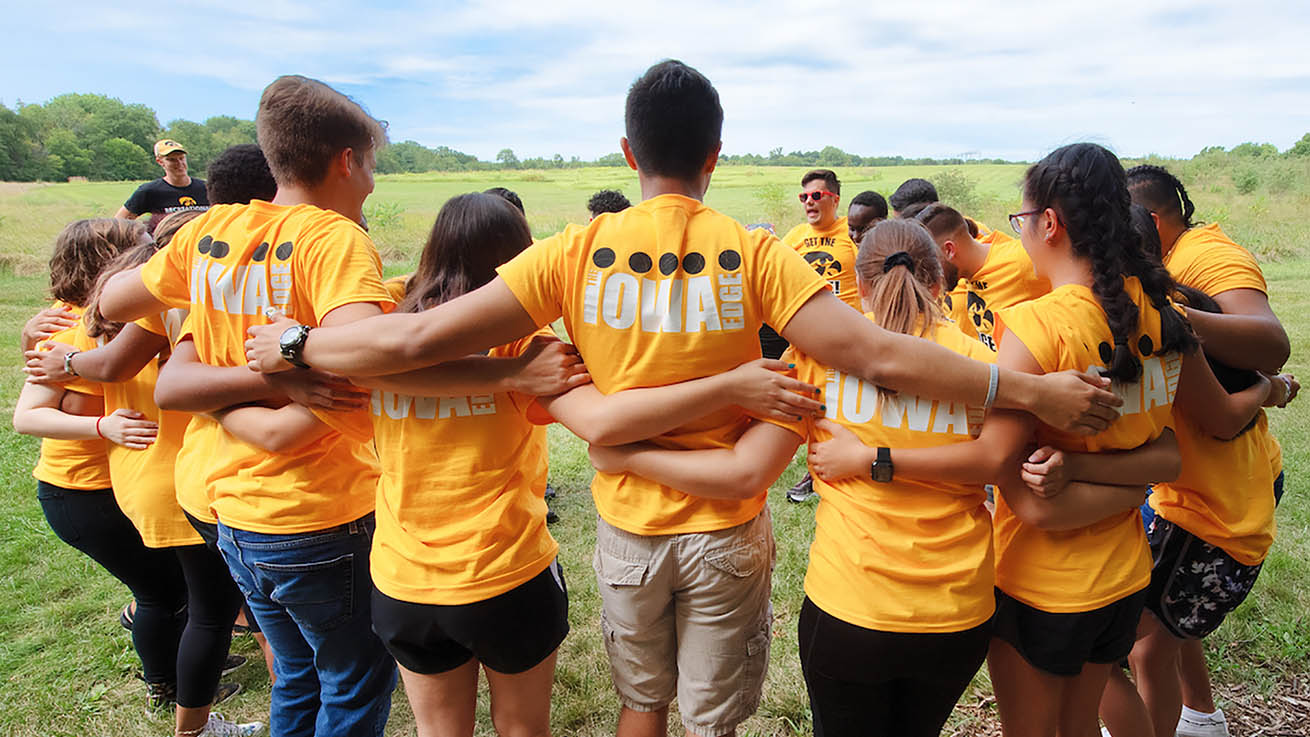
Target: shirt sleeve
(1219,267)
(783,281)
(535,277)
(167,275)
(1021,322)
(138,203)
(341,267)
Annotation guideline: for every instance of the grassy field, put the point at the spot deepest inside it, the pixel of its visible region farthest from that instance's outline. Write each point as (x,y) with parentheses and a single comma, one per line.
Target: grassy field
(67,668)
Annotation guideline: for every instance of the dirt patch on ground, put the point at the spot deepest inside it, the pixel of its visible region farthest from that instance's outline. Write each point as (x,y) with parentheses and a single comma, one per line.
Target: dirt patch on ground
(1283,713)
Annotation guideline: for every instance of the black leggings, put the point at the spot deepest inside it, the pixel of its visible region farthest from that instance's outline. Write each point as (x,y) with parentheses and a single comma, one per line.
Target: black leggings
(208,532)
(92,522)
(212,603)
(869,682)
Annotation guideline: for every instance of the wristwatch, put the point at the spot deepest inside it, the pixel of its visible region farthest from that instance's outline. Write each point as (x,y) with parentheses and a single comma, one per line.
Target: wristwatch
(881,469)
(292,345)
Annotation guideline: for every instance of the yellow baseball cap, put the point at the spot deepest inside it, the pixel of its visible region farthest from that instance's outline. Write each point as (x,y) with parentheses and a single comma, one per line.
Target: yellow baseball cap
(166,147)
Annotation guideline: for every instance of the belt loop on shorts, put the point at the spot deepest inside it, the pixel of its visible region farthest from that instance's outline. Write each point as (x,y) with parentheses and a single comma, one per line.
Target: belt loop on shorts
(353,527)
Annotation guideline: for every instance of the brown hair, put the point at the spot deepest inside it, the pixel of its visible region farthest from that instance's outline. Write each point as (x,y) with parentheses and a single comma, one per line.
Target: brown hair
(303,123)
(96,324)
(942,220)
(474,233)
(166,228)
(81,251)
(898,266)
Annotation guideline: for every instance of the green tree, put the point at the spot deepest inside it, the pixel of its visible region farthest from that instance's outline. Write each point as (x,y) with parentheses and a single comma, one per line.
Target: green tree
(507,158)
(119,158)
(1301,147)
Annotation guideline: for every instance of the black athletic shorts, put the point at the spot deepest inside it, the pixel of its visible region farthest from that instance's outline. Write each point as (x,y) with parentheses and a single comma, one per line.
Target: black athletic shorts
(1194,585)
(1061,643)
(509,633)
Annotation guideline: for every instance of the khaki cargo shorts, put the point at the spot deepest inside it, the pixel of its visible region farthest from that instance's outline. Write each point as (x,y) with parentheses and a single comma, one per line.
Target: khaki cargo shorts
(688,616)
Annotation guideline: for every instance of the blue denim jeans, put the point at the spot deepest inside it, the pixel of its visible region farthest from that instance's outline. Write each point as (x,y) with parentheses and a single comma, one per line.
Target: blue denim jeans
(311,593)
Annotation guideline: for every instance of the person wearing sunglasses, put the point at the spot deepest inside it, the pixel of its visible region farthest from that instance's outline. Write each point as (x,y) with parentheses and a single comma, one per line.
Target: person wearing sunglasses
(987,274)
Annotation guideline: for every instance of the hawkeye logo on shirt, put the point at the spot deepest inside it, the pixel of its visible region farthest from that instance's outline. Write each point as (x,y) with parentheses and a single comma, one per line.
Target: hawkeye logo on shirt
(688,303)
(400,406)
(826,266)
(241,289)
(855,401)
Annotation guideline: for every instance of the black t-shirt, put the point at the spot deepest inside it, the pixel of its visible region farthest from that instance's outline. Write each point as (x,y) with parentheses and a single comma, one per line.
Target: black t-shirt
(161,198)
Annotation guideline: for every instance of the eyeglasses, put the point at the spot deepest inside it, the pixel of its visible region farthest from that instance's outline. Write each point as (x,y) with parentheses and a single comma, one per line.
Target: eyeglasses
(817,195)
(1019,218)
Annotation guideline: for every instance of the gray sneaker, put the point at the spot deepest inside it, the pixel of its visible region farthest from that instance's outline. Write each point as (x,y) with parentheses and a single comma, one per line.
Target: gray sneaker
(803,491)
(217,726)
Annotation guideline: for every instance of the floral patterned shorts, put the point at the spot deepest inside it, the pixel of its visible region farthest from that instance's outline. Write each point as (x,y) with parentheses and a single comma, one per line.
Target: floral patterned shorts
(1194,584)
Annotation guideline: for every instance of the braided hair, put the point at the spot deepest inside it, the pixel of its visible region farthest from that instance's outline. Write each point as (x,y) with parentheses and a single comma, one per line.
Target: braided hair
(1159,191)
(1086,186)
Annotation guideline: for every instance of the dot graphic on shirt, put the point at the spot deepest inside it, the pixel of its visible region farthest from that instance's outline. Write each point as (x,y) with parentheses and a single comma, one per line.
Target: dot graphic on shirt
(1145,346)
(261,253)
(693,263)
(219,249)
(668,263)
(283,251)
(729,260)
(203,245)
(640,262)
(1107,353)
(604,258)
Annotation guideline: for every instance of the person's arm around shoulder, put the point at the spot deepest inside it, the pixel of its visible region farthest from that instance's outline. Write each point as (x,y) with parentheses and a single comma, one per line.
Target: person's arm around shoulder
(37,413)
(1247,334)
(118,360)
(276,430)
(840,337)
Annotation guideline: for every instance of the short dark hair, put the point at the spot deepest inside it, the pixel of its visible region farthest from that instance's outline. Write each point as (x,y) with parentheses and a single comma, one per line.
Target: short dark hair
(1159,191)
(910,212)
(941,220)
(238,175)
(828,176)
(912,191)
(673,120)
(508,195)
(607,200)
(302,123)
(869,198)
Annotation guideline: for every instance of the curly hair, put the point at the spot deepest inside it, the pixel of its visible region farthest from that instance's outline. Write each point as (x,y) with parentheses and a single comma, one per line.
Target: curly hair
(81,251)
(1160,192)
(607,200)
(1086,186)
(96,324)
(238,175)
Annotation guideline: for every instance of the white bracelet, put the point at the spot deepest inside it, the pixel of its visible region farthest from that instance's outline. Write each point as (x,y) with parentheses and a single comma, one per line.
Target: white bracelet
(1287,384)
(993,380)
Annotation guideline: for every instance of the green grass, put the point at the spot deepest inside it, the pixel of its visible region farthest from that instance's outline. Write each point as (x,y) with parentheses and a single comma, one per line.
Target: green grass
(67,668)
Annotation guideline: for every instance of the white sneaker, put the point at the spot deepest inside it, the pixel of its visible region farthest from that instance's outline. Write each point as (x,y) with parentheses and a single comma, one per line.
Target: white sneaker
(217,726)
(1193,723)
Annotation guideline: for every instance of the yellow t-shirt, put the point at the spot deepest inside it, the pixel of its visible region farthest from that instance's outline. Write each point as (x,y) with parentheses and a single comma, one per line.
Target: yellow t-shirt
(1005,279)
(663,292)
(143,479)
(226,266)
(910,555)
(74,464)
(831,253)
(461,515)
(1084,569)
(1225,492)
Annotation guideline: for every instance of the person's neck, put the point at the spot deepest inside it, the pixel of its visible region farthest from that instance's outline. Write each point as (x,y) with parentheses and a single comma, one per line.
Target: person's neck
(182,181)
(821,225)
(1169,235)
(970,257)
(290,195)
(1070,271)
(653,185)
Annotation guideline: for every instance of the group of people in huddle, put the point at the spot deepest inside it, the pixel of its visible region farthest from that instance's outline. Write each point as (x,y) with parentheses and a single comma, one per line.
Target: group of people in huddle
(360,463)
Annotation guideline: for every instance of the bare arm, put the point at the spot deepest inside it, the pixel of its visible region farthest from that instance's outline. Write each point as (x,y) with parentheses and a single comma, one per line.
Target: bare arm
(126,214)
(842,338)
(549,366)
(387,344)
(1246,335)
(126,298)
(278,430)
(118,360)
(637,414)
(1205,402)
(1049,471)
(740,472)
(38,413)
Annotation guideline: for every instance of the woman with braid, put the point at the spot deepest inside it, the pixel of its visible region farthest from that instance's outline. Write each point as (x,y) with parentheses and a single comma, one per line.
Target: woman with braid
(1220,512)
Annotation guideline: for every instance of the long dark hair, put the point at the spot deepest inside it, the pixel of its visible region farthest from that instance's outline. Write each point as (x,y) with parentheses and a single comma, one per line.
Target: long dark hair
(474,233)
(1086,186)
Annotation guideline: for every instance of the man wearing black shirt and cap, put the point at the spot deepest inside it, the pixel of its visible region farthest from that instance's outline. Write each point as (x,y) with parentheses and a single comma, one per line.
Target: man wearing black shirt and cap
(174,192)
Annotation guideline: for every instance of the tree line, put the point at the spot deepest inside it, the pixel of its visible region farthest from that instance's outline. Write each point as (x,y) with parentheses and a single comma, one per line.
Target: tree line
(102,138)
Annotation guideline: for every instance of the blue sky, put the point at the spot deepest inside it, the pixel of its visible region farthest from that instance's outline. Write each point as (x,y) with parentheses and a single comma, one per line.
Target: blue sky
(952,77)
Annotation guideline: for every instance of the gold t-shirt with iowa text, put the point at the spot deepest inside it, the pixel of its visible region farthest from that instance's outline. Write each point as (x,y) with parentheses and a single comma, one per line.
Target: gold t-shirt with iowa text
(831,253)
(1006,278)
(1088,568)
(665,291)
(227,266)
(910,555)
